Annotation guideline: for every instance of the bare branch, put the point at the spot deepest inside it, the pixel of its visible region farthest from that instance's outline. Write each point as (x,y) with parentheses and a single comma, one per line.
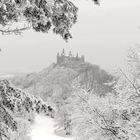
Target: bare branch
(15,31)
(133,85)
(107,127)
(2,134)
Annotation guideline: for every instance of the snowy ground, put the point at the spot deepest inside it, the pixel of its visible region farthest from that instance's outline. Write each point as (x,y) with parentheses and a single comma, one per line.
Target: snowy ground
(43,129)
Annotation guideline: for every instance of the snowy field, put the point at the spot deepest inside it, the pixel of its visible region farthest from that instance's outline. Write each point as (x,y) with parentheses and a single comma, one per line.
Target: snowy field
(43,129)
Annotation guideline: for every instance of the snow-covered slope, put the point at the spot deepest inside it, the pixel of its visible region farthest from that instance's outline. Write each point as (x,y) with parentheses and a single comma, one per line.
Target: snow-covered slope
(43,129)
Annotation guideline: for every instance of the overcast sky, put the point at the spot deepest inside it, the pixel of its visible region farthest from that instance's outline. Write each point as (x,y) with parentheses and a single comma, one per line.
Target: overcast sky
(102,34)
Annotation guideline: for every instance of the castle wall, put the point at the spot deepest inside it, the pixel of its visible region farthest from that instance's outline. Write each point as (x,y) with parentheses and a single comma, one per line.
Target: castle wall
(63,59)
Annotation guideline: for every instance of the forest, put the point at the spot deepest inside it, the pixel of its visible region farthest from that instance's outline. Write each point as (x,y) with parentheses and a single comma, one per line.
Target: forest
(85,103)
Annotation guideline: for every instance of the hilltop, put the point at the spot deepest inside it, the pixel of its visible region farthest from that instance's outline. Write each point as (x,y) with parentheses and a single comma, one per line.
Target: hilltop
(55,85)
(58,77)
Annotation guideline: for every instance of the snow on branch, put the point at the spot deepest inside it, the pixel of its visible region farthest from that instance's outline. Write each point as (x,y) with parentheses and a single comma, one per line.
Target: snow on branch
(16,31)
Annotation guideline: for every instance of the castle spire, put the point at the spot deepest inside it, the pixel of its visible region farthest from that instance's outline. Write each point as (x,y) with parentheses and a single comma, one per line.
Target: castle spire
(63,51)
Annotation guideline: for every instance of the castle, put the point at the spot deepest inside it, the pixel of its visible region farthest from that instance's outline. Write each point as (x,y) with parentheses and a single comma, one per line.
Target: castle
(63,59)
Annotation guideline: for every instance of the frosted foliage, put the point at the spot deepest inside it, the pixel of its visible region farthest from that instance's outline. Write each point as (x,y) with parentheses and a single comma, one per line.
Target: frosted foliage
(17,110)
(99,119)
(40,15)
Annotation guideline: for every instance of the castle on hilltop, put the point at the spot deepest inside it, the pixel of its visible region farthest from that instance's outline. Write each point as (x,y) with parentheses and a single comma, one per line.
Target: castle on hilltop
(63,59)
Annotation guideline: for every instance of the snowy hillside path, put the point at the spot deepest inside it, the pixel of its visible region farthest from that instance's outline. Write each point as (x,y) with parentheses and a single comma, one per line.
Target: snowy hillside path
(43,129)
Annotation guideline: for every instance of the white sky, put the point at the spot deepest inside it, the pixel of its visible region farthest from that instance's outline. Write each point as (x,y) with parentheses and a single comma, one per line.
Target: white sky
(102,34)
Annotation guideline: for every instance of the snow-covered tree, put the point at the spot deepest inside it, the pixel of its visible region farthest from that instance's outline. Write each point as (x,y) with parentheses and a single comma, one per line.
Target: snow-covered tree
(16,108)
(40,15)
(103,118)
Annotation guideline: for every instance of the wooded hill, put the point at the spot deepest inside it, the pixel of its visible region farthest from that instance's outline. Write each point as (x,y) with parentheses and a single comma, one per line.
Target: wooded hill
(57,80)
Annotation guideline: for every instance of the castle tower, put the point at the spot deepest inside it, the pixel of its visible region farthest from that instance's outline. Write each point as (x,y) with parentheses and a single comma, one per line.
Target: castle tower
(62,57)
(63,52)
(58,58)
(77,55)
(70,54)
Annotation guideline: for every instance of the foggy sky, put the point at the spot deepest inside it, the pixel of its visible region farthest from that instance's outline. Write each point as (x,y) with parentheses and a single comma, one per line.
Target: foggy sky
(102,34)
